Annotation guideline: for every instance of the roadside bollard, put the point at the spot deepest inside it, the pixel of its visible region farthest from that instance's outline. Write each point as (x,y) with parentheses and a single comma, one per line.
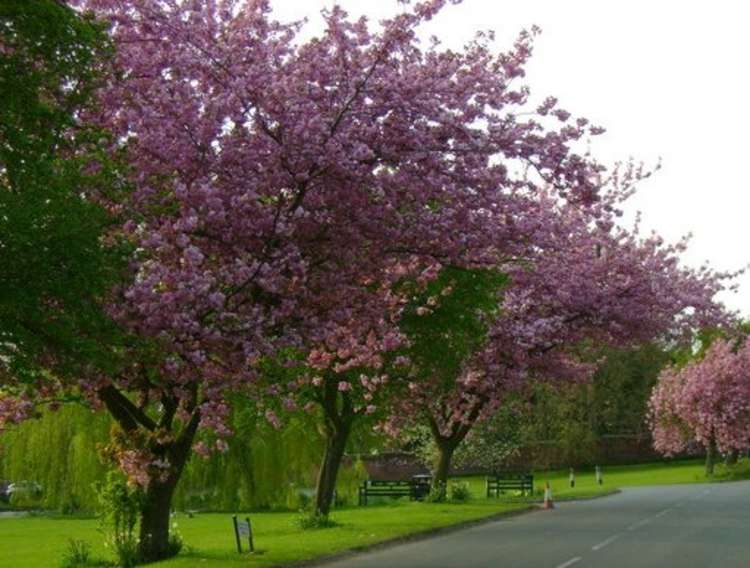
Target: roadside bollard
(548,497)
(572,478)
(599,479)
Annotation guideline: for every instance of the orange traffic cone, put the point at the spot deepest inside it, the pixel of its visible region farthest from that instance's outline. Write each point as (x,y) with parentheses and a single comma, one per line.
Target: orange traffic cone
(548,504)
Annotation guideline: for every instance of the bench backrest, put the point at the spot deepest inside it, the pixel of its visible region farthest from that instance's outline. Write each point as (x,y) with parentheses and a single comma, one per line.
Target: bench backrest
(390,484)
(517,477)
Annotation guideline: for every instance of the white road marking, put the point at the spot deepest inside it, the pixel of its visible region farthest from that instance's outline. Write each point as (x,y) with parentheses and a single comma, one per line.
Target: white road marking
(649,519)
(639,524)
(706,492)
(604,543)
(569,562)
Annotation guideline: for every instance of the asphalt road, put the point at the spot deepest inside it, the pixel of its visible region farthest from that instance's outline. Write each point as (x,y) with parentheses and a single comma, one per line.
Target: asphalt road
(682,526)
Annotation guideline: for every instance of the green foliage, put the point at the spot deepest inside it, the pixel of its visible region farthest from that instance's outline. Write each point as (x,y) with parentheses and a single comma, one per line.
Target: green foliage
(493,442)
(26,495)
(264,468)
(438,493)
(314,521)
(620,390)
(175,542)
(299,498)
(420,442)
(732,472)
(58,452)
(681,355)
(120,507)
(349,481)
(52,169)
(442,340)
(77,555)
(572,419)
(460,491)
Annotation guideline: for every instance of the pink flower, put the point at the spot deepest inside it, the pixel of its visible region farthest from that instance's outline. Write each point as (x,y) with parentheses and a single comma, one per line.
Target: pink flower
(273,419)
(401,361)
(319,359)
(201,449)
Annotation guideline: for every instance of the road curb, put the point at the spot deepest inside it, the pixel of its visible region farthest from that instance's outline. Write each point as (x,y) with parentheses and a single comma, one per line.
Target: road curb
(431,533)
(608,493)
(413,537)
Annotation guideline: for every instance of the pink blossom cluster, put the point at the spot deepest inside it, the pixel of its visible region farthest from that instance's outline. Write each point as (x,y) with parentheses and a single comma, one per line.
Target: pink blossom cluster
(140,467)
(14,410)
(707,401)
(267,178)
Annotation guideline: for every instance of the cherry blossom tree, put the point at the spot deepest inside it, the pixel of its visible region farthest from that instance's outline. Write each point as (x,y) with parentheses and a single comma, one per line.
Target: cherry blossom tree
(585,284)
(707,401)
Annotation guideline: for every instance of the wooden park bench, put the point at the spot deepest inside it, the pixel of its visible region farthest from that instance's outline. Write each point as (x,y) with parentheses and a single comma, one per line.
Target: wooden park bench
(414,489)
(508,481)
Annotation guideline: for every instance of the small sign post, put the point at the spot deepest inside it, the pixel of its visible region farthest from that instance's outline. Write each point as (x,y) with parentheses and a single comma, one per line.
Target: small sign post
(243,529)
(599,479)
(572,478)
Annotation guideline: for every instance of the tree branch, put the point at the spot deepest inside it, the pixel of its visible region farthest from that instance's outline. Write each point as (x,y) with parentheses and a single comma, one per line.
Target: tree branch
(127,414)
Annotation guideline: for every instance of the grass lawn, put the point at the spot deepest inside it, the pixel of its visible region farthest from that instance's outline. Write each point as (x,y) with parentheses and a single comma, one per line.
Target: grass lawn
(689,471)
(39,541)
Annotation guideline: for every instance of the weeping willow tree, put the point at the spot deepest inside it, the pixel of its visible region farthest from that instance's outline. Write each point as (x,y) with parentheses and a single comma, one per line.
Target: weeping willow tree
(263,468)
(266,468)
(59,452)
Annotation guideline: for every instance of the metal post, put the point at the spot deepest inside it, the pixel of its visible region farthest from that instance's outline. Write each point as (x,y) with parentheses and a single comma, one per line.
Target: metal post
(599,479)
(250,534)
(572,478)
(237,534)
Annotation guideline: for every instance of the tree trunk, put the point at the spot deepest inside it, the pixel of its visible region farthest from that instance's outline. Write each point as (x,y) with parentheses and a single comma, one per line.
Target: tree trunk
(157,503)
(338,412)
(154,531)
(731,458)
(336,438)
(710,457)
(446,447)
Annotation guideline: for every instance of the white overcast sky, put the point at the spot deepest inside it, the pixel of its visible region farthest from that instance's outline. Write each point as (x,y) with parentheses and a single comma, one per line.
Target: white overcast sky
(667,79)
